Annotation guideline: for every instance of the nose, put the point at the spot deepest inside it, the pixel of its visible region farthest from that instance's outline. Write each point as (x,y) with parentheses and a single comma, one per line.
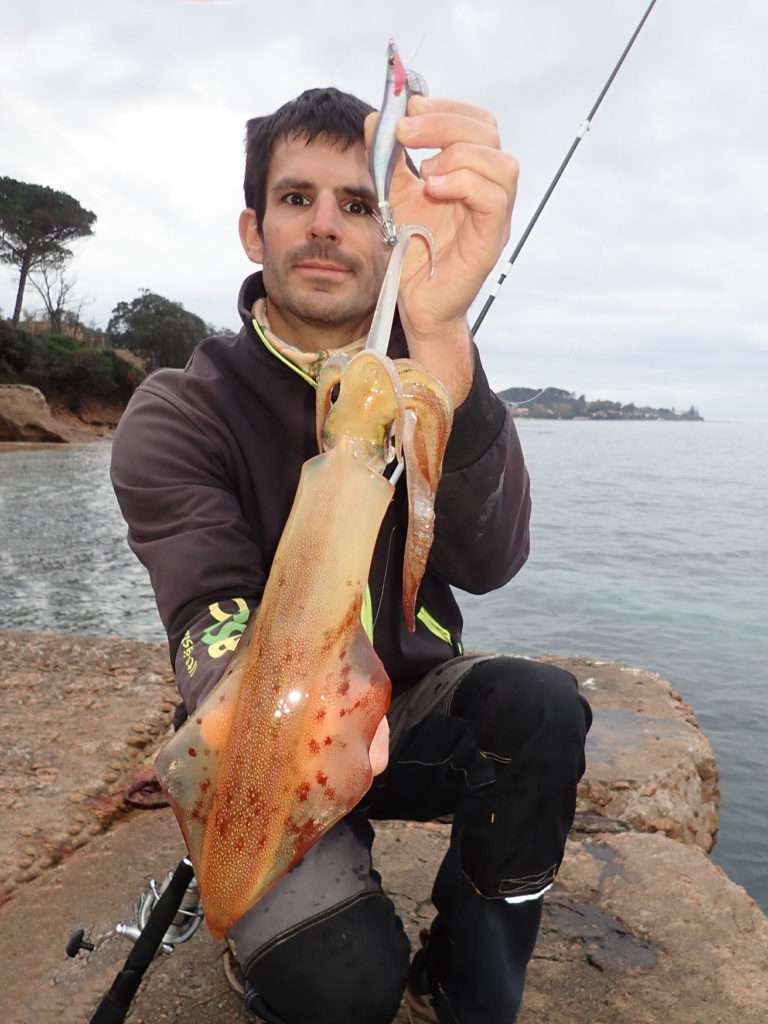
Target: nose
(325,223)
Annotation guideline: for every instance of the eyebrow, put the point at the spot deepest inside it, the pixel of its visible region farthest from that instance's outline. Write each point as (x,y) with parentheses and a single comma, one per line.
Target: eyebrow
(301,185)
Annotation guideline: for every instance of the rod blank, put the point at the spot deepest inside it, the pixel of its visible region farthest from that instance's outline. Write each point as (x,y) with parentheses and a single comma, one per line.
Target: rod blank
(583,129)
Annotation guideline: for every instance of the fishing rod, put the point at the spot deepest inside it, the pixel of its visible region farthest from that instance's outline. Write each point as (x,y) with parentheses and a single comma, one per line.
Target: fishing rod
(584,127)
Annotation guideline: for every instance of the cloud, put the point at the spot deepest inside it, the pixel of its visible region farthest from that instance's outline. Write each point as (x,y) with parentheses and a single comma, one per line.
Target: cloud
(643,277)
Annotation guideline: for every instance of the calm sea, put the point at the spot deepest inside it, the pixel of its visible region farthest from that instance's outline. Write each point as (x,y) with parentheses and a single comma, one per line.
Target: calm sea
(649,547)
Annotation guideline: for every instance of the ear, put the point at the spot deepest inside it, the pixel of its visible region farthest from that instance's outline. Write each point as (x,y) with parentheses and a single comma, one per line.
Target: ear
(250,238)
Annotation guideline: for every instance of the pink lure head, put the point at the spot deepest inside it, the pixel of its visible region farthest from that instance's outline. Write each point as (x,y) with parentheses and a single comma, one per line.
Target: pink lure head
(397,66)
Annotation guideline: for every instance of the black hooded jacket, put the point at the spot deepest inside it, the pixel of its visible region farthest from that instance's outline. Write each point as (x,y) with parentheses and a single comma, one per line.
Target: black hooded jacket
(205,465)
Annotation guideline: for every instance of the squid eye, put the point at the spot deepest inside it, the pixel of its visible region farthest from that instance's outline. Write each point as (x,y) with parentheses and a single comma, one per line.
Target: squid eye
(335,391)
(391,451)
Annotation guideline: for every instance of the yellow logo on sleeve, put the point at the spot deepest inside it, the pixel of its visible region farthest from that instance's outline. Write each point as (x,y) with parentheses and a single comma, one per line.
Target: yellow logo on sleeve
(223,637)
(187,646)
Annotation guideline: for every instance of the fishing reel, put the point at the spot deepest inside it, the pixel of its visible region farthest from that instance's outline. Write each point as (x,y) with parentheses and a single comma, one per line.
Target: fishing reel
(166,915)
(184,924)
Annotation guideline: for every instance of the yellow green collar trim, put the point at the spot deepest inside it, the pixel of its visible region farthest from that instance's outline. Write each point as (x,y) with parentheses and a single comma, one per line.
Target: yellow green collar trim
(279,355)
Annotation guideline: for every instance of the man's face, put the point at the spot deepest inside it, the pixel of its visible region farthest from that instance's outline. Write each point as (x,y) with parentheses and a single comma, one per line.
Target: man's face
(321,250)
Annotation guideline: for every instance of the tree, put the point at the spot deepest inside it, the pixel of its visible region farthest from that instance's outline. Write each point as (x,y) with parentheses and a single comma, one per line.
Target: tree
(36,222)
(159,330)
(55,289)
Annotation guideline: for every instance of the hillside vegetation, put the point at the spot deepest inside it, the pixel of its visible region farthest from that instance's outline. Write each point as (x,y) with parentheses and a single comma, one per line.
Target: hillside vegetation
(63,368)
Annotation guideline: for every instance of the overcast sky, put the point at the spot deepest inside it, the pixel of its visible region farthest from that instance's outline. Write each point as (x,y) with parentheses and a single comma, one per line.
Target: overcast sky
(644,280)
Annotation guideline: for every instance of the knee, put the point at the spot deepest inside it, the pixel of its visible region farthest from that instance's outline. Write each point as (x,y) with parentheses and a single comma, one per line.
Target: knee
(516,702)
(350,966)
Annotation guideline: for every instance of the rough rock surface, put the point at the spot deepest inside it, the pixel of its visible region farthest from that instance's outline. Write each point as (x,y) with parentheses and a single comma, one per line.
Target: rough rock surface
(649,930)
(25,416)
(639,928)
(649,764)
(77,715)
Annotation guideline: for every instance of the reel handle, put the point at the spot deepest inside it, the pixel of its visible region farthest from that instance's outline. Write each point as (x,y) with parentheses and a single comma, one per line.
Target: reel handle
(77,942)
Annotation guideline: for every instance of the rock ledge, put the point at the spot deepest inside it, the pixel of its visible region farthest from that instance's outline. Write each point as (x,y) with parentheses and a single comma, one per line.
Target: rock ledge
(640,927)
(25,416)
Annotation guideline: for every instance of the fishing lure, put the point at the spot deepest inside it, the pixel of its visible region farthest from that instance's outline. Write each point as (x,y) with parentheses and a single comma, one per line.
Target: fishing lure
(400,85)
(381,324)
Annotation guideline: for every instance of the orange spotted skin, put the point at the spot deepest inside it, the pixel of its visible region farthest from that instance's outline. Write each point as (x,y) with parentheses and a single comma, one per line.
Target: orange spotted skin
(278,752)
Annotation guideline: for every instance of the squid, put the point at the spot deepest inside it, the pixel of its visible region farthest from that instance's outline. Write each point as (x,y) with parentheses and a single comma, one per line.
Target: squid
(280,749)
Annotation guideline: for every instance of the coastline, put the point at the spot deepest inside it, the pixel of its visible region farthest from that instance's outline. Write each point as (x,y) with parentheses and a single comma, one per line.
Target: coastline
(28,421)
(94,421)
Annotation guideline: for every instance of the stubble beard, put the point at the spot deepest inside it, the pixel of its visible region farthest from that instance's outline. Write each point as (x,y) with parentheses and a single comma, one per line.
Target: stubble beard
(319,306)
(324,310)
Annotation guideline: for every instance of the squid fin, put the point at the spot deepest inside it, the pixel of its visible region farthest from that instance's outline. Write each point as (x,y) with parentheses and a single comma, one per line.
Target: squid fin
(188,765)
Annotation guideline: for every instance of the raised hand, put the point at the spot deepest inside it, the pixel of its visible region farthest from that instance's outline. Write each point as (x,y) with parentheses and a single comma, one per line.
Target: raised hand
(465,197)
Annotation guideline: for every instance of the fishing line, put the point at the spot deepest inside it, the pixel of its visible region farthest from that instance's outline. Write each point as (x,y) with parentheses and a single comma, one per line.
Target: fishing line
(584,127)
(415,53)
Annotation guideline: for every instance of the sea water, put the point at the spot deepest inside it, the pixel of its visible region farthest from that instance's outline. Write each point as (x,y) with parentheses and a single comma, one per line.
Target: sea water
(649,547)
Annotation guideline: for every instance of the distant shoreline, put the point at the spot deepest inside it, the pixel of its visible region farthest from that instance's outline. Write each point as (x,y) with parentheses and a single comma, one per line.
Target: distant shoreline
(557,404)
(524,414)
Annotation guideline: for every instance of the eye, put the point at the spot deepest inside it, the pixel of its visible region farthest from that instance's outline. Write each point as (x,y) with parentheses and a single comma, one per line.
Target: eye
(358,208)
(295,199)
(335,392)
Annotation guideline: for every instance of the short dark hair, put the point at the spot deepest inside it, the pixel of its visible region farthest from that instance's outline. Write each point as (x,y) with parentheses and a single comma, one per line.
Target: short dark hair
(336,116)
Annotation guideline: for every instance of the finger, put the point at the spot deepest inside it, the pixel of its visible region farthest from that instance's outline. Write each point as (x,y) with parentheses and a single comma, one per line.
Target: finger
(491,164)
(477,193)
(378,752)
(369,127)
(436,105)
(438,130)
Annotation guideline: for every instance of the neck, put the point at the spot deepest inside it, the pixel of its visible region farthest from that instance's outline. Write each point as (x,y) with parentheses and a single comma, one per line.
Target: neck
(317,337)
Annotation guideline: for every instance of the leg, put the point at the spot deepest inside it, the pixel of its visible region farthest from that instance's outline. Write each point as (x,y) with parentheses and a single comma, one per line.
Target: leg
(531,722)
(325,945)
(500,741)
(508,839)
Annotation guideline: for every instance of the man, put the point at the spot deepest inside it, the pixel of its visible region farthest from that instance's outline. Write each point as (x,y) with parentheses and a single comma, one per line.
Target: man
(205,466)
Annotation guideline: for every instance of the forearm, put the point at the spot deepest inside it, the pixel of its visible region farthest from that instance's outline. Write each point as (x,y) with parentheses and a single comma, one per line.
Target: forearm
(482,518)
(212,635)
(483,502)
(186,526)
(447,354)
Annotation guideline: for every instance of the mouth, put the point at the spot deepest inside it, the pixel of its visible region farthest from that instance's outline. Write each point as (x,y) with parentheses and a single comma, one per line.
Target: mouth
(324,268)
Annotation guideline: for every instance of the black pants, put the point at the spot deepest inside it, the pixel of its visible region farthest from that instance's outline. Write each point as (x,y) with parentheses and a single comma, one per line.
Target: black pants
(499,743)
